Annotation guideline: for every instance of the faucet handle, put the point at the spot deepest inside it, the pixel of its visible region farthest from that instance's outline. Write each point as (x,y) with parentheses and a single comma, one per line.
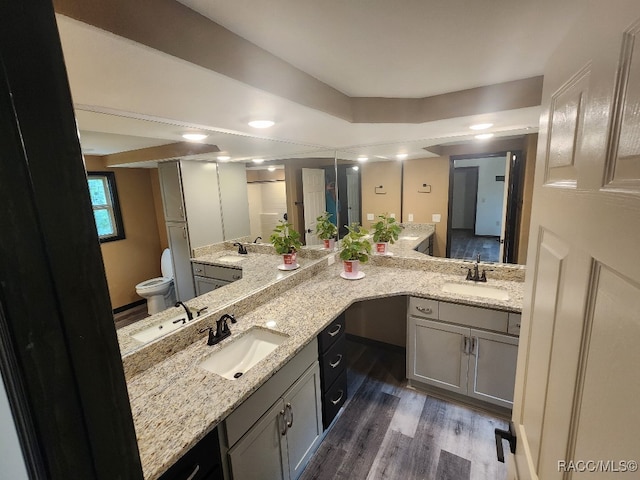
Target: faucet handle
(200,311)
(211,340)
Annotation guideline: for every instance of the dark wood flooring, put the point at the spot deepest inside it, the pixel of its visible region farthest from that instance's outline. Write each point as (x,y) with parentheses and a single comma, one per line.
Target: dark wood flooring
(390,431)
(465,245)
(130,316)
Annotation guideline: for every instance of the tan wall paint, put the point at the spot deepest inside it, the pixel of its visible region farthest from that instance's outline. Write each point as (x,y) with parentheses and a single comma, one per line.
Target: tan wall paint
(434,172)
(157,202)
(136,258)
(375,174)
(527,195)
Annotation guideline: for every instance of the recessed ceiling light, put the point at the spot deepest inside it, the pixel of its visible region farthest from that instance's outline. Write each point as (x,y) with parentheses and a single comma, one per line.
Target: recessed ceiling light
(484,136)
(261,123)
(224,158)
(272,169)
(481,126)
(258,160)
(362,158)
(356,168)
(194,137)
(402,156)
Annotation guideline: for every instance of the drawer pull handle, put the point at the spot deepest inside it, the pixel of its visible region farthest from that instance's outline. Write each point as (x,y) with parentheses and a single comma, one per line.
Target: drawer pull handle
(426,310)
(289,422)
(339,399)
(283,432)
(193,474)
(198,269)
(465,345)
(237,277)
(336,331)
(518,325)
(508,435)
(337,362)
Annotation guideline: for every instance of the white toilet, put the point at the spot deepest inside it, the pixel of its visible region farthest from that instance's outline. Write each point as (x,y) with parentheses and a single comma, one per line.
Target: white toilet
(159,291)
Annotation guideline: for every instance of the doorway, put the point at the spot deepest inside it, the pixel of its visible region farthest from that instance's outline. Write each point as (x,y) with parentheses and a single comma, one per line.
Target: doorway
(483,193)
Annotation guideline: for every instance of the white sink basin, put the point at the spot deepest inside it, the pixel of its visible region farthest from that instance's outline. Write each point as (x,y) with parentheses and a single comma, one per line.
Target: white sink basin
(231,258)
(476,290)
(160,329)
(239,355)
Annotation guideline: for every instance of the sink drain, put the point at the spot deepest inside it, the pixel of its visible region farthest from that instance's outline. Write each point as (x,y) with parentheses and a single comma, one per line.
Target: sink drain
(237,375)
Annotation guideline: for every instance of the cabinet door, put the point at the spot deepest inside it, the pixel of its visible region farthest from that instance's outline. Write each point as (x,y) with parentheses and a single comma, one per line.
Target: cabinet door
(206,285)
(181,259)
(492,367)
(436,354)
(261,453)
(303,412)
(171,187)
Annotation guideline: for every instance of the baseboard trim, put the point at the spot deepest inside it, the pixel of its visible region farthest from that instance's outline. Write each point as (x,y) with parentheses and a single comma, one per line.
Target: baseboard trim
(129,305)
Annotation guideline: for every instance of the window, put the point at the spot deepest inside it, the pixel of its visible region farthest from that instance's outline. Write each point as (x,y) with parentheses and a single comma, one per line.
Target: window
(106,209)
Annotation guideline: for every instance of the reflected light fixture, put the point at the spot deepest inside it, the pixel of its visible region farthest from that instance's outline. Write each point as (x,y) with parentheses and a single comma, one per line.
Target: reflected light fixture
(261,123)
(194,137)
(362,158)
(481,126)
(402,156)
(224,158)
(272,169)
(356,168)
(484,136)
(258,160)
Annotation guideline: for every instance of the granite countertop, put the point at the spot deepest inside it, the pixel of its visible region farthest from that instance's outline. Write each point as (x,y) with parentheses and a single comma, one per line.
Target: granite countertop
(175,403)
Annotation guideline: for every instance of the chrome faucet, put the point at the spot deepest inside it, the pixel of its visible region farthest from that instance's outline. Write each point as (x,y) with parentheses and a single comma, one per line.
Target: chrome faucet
(186,309)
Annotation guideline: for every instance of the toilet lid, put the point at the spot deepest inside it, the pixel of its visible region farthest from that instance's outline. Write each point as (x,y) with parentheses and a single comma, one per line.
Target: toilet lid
(165,264)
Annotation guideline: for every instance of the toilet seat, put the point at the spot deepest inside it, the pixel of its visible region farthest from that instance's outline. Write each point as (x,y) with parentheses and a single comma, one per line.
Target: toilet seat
(153,284)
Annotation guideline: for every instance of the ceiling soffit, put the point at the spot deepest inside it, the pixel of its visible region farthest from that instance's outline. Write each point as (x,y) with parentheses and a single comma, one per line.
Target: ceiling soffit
(173,28)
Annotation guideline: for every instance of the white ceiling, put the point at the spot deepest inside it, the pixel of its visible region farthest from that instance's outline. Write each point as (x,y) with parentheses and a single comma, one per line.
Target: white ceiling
(129,96)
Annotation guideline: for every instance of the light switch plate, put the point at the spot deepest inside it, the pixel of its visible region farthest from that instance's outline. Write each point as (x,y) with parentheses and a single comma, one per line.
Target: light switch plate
(436,217)
(370,216)
(392,215)
(411,217)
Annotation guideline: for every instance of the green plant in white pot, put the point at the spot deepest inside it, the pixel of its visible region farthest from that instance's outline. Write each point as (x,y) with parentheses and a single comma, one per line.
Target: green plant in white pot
(385,231)
(354,249)
(326,230)
(286,242)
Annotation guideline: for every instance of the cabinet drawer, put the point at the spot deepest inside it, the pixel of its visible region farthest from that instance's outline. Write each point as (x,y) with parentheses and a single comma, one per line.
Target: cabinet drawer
(216,271)
(330,335)
(474,316)
(514,323)
(333,362)
(202,462)
(423,307)
(333,399)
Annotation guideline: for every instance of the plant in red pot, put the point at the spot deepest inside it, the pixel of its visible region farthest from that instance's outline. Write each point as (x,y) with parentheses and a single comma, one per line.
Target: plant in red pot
(286,242)
(354,249)
(385,232)
(326,230)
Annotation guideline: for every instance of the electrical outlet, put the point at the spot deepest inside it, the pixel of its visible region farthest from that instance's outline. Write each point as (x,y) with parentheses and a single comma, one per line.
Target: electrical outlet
(436,217)
(392,215)
(331,259)
(411,217)
(370,216)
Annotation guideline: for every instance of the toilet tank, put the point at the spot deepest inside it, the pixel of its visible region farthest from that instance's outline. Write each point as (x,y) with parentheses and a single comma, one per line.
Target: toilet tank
(165,264)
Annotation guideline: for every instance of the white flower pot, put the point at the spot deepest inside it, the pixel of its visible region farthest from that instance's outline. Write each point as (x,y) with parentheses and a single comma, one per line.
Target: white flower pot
(351,268)
(289,261)
(329,244)
(382,248)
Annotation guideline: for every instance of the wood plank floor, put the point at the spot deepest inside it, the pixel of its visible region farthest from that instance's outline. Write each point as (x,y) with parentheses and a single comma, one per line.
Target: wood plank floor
(465,245)
(390,431)
(130,316)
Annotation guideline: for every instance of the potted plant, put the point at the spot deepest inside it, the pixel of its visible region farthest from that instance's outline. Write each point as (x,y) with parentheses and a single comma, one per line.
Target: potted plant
(385,231)
(286,242)
(354,248)
(326,230)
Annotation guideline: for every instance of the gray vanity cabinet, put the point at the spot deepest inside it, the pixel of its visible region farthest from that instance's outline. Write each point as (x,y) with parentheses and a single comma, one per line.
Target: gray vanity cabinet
(278,443)
(211,277)
(446,349)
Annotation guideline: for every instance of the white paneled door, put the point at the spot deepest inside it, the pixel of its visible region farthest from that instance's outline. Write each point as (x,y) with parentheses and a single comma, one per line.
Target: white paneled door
(576,411)
(314,200)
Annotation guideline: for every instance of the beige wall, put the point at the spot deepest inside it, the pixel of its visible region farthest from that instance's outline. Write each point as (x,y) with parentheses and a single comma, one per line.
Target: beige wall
(157,202)
(527,195)
(376,174)
(136,258)
(434,172)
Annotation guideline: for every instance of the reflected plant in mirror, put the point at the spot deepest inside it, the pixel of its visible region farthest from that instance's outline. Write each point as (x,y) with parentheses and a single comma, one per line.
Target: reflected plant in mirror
(287,242)
(326,230)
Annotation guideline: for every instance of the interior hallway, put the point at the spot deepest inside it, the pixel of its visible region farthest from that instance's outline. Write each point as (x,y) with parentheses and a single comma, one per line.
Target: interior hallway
(465,245)
(389,430)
